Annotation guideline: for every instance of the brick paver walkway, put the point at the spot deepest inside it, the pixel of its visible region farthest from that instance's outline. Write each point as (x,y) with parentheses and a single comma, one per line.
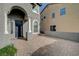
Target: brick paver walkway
(60,48)
(43,45)
(26,48)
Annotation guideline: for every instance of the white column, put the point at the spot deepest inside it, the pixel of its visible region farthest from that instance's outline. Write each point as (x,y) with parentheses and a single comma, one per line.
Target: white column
(6,31)
(29,25)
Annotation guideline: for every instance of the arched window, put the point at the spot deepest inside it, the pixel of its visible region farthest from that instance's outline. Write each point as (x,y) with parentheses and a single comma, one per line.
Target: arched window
(35,26)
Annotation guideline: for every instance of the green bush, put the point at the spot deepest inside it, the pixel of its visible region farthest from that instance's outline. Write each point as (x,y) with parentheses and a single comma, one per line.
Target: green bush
(9,50)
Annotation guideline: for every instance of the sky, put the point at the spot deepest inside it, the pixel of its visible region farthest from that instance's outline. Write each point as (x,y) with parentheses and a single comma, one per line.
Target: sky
(43,6)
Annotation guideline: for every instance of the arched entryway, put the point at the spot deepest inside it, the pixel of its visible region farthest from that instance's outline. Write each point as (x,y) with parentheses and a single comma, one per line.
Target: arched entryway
(16,18)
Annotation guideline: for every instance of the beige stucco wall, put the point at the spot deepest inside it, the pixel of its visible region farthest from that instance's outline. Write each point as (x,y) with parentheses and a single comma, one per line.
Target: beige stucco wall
(45,23)
(65,23)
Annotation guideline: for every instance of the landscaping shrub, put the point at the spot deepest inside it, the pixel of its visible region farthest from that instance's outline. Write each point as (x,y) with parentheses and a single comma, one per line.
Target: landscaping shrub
(9,50)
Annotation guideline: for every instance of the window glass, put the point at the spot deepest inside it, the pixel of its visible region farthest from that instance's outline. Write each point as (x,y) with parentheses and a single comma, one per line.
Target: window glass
(53,28)
(63,11)
(53,15)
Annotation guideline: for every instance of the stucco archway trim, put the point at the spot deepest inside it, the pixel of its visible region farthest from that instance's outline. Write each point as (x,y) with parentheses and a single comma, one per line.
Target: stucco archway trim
(8,12)
(20,8)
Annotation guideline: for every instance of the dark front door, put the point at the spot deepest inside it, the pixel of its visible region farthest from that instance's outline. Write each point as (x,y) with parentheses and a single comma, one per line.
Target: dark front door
(18,29)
